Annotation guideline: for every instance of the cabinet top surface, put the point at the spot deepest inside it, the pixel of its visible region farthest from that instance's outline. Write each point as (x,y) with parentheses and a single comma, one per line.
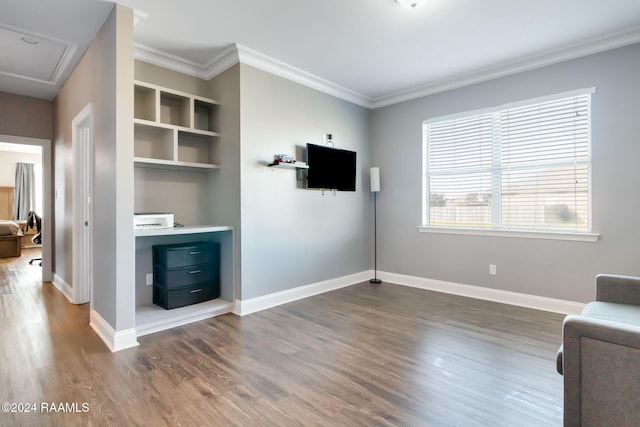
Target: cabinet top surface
(187,229)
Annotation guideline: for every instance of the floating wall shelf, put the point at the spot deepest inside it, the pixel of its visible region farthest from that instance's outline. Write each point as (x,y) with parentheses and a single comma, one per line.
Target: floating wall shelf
(284,165)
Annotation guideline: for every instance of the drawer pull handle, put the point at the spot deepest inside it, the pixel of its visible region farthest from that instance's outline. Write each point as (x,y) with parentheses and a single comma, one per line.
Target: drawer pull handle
(195,253)
(195,291)
(195,272)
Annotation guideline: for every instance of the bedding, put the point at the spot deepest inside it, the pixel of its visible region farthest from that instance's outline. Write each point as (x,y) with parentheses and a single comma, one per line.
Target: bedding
(9,228)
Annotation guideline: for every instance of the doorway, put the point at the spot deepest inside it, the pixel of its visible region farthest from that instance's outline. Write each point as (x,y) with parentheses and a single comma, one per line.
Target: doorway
(45,181)
(82,141)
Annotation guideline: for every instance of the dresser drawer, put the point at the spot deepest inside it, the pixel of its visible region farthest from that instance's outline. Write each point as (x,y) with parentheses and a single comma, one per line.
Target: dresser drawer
(175,298)
(185,254)
(186,276)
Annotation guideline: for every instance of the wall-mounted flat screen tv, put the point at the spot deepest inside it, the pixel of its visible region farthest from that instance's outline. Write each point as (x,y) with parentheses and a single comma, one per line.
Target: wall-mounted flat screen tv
(331,168)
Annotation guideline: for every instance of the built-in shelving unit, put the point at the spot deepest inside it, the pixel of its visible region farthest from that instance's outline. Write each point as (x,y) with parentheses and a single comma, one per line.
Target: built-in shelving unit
(174,129)
(174,133)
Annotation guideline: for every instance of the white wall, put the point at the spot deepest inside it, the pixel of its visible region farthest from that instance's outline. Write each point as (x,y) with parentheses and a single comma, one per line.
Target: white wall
(555,269)
(8,161)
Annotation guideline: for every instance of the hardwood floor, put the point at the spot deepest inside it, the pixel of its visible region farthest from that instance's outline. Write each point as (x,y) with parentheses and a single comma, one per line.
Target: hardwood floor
(361,356)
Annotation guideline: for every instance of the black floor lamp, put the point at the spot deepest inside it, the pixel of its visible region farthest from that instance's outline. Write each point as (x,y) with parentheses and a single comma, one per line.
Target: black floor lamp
(374,180)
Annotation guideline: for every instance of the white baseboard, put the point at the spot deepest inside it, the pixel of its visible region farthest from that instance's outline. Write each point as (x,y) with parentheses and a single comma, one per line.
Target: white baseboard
(252,305)
(115,340)
(478,292)
(63,287)
(244,307)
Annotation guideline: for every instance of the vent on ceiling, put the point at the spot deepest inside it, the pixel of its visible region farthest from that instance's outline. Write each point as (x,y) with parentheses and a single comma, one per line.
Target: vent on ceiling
(32,56)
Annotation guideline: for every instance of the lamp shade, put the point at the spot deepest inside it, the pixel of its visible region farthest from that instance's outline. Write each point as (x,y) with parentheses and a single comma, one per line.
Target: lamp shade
(374,179)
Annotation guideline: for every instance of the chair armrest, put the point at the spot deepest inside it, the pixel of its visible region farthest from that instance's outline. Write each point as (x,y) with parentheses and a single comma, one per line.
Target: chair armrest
(604,361)
(618,289)
(559,362)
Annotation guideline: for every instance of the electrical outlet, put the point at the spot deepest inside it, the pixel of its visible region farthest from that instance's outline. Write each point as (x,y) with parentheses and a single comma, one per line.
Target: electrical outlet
(492,269)
(149,279)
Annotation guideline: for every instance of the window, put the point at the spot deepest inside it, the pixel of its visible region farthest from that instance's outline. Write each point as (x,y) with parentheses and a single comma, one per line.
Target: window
(519,167)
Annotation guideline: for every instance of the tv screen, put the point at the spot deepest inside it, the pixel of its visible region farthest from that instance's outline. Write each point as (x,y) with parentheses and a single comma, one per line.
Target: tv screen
(331,168)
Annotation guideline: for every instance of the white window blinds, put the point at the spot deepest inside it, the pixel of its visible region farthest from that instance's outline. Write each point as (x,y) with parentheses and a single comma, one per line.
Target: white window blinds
(520,167)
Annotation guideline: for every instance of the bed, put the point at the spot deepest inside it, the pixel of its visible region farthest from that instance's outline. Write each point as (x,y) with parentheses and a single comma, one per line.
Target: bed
(10,233)
(10,239)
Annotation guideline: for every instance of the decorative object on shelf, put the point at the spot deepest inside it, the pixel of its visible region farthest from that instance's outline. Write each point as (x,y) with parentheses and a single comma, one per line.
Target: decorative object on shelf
(287,161)
(374,180)
(145,221)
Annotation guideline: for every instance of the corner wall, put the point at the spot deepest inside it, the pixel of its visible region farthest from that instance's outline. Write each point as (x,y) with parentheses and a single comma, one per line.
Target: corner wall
(555,269)
(104,76)
(224,184)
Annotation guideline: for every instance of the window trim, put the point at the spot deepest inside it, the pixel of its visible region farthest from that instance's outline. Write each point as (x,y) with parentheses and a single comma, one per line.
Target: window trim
(585,236)
(494,232)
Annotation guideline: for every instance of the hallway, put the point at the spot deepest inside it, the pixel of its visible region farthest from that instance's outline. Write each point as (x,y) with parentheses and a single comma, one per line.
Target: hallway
(42,334)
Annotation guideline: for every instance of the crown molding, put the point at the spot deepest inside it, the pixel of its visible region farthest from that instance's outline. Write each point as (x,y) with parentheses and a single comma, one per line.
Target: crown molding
(238,53)
(138,19)
(219,63)
(169,61)
(222,62)
(266,63)
(591,47)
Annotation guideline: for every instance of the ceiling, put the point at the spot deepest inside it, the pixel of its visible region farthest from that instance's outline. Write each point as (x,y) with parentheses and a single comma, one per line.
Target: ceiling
(371,52)
(41,42)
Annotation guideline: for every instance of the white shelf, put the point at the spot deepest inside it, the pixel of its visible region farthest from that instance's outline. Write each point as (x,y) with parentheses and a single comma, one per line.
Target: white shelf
(169,126)
(187,229)
(151,318)
(172,164)
(174,129)
(284,165)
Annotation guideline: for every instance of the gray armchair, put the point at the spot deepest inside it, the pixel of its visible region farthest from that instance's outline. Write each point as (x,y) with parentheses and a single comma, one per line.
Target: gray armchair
(600,357)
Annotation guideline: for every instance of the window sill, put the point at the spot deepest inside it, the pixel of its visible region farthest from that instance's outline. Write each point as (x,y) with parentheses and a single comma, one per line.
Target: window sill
(549,235)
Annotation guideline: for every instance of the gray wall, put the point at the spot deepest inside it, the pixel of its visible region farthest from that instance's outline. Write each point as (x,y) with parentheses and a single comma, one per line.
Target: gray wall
(164,77)
(555,269)
(104,76)
(292,236)
(224,184)
(25,116)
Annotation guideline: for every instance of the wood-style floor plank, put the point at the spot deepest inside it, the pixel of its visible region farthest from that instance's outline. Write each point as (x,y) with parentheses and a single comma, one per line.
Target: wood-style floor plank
(365,355)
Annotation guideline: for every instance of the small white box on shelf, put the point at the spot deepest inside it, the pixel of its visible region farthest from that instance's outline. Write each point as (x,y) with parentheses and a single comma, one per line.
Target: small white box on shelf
(152,220)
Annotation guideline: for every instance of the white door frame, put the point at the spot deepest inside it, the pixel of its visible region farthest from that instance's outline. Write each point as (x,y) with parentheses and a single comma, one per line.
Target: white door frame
(82,142)
(47,211)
